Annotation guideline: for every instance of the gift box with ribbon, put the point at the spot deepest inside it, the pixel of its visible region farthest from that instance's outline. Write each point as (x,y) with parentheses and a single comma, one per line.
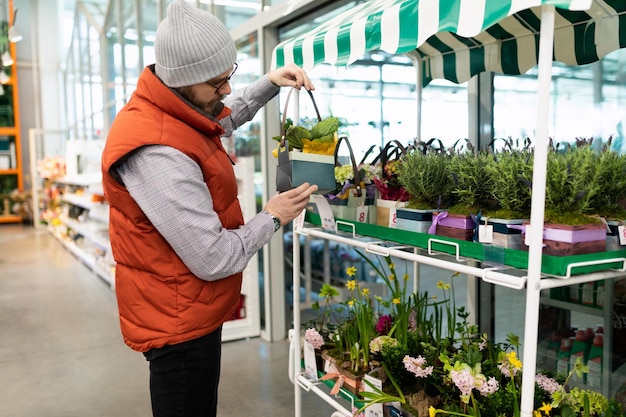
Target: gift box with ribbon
(564,240)
(458,226)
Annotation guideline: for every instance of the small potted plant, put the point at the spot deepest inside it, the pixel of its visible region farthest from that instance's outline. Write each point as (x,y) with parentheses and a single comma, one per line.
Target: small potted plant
(609,202)
(425,173)
(573,183)
(391,192)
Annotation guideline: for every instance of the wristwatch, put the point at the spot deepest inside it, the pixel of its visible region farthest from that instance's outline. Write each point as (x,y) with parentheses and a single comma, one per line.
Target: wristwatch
(276,220)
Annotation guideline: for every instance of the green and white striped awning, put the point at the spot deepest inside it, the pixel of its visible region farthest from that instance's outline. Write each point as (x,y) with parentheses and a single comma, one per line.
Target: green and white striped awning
(456,39)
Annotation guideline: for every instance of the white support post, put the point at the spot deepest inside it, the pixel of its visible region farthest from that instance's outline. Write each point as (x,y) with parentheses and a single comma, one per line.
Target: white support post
(538,208)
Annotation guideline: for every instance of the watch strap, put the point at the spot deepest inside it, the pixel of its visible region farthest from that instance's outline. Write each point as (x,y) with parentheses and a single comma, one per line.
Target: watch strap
(274,218)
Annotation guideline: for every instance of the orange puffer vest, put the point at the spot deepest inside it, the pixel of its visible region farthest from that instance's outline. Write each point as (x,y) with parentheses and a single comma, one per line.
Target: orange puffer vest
(160,301)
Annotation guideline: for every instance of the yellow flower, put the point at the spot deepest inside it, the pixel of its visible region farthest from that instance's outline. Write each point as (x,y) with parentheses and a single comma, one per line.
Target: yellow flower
(351,284)
(351,303)
(432,412)
(351,271)
(391,265)
(392,277)
(536,413)
(443,285)
(546,408)
(406,277)
(365,291)
(517,364)
(396,301)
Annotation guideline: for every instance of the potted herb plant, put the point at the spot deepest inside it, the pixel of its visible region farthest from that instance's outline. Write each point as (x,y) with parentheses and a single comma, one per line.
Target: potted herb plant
(425,173)
(573,183)
(510,172)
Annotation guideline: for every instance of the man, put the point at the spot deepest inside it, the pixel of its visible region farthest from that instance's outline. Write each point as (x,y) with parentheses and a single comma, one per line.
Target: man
(176,228)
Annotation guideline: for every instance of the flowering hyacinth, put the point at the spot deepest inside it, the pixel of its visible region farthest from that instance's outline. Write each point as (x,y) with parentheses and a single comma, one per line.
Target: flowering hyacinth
(384,324)
(546,383)
(464,381)
(379,342)
(314,338)
(416,366)
(488,387)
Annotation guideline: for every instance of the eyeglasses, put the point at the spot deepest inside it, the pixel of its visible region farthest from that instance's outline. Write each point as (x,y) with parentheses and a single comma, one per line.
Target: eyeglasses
(218,87)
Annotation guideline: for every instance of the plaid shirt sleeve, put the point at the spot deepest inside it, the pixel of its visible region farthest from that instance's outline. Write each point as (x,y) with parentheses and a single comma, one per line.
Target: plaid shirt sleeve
(169,187)
(246,102)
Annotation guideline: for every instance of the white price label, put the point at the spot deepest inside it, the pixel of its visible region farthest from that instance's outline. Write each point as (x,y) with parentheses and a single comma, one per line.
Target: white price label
(310,365)
(622,235)
(393,217)
(298,223)
(325,212)
(374,410)
(485,233)
(361,213)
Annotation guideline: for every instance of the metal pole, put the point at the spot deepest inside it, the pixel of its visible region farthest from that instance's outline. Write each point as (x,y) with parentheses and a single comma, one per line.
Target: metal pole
(533,290)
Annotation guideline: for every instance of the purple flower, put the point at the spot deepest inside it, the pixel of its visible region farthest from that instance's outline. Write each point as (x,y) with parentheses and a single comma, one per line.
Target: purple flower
(384,324)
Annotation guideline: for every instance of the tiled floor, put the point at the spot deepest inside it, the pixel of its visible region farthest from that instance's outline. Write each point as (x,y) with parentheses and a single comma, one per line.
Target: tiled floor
(62,355)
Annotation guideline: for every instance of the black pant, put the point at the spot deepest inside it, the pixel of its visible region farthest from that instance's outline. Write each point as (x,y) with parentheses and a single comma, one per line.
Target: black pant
(184,377)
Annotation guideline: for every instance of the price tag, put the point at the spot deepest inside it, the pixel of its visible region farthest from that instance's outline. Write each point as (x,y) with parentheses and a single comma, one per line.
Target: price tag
(310,365)
(374,410)
(485,233)
(298,223)
(361,213)
(325,212)
(622,234)
(393,216)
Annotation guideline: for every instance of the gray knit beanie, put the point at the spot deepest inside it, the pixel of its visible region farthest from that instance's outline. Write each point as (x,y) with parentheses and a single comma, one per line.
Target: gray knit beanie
(192,46)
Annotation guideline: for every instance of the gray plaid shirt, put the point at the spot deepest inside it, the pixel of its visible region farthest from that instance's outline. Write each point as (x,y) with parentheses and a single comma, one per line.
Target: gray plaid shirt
(169,188)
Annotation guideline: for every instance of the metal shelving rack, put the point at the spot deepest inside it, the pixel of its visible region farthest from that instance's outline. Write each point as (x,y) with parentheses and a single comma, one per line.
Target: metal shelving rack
(502,276)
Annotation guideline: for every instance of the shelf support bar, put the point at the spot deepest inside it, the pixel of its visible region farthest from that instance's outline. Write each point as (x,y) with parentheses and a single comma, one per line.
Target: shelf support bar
(544,84)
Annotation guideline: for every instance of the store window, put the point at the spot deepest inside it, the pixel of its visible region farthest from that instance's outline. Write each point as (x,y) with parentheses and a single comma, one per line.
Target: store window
(444,111)
(586,102)
(84,75)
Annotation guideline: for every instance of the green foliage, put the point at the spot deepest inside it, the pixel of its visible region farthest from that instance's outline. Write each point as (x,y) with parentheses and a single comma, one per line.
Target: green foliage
(323,131)
(472,186)
(427,178)
(612,179)
(573,180)
(511,174)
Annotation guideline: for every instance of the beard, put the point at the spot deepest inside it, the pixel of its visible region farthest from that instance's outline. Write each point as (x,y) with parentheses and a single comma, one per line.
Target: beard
(213,107)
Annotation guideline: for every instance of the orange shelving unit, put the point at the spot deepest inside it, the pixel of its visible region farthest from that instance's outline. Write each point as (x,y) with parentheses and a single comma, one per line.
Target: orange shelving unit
(11,172)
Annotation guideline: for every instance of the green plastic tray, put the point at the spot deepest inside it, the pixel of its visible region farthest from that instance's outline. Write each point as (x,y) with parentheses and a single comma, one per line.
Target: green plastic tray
(550,265)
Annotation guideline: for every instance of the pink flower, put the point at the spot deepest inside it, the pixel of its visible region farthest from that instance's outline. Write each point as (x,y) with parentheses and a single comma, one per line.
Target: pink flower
(416,366)
(354,414)
(314,338)
(489,387)
(464,381)
(546,383)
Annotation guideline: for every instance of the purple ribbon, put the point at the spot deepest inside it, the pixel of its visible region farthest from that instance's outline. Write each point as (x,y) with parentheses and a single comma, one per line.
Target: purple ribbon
(458,222)
(567,236)
(444,219)
(436,219)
